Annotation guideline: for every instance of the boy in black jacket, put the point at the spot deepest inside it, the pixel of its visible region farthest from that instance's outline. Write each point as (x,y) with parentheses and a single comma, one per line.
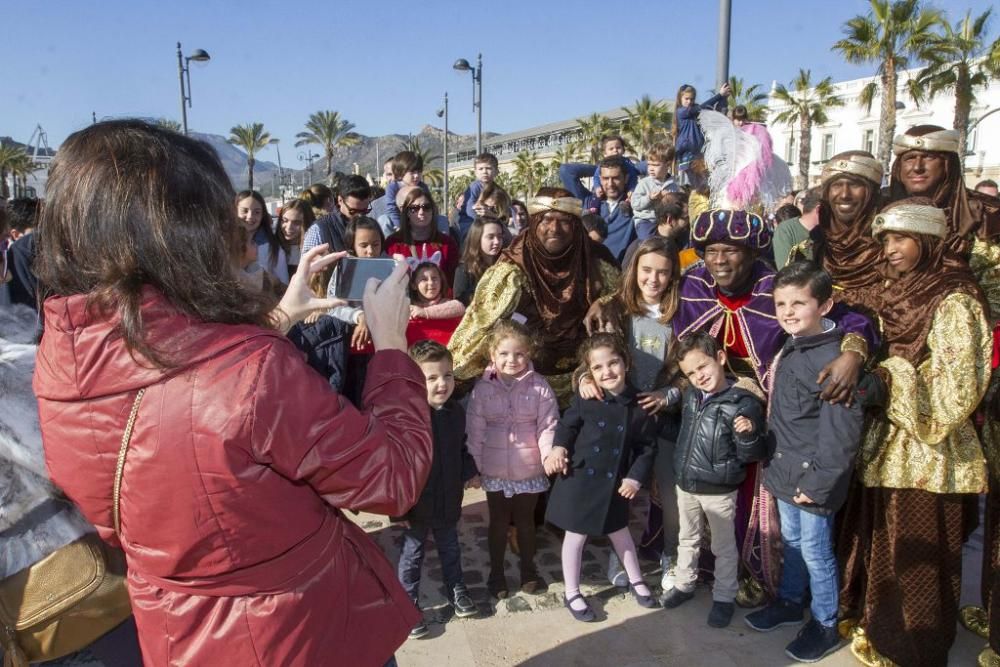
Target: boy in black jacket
(722,427)
(811,467)
(440,505)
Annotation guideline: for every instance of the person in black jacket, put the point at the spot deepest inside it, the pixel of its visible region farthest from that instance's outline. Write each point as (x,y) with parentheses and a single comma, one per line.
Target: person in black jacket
(722,426)
(810,470)
(604,450)
(440,505)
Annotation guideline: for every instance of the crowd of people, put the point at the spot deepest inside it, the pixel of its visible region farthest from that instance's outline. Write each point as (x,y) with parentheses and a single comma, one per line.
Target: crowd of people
(805,388)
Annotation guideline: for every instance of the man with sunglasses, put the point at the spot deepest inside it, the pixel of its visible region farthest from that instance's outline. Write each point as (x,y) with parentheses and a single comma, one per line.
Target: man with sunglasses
(353,201)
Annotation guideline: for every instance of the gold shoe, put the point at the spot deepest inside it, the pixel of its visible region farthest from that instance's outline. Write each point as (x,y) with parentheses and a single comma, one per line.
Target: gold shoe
(988,658)
(975,620)
(865,653)
(750,593)
(846,627)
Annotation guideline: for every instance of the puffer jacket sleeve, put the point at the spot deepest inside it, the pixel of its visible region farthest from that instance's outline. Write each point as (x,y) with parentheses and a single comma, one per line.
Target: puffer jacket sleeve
(377,460)
(548,417)
(751,446)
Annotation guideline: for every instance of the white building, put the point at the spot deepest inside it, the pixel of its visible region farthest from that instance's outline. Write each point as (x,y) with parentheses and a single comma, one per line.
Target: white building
(851,127)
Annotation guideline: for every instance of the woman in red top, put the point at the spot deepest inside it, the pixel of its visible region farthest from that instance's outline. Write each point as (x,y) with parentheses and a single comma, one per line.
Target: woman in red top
(418,234)
(242,458)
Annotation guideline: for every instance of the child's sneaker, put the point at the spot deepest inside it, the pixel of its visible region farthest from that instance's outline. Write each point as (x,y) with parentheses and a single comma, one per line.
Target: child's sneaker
(721,614)
(813,643)
(462,602)
(675,598)
(419,630)
(775,615)
(616,573)
(669,575)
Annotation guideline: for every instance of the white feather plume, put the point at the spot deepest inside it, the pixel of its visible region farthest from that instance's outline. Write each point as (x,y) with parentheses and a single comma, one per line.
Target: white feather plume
(776,184)
(727,151)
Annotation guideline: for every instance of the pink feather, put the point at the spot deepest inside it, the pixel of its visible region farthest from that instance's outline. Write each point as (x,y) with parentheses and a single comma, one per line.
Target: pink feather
(746,182)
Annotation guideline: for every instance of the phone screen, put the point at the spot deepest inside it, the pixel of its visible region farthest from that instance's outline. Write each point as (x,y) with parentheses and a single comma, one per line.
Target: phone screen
(354,274)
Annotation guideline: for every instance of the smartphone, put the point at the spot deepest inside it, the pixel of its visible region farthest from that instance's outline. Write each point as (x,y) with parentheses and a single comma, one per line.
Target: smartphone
(354,274)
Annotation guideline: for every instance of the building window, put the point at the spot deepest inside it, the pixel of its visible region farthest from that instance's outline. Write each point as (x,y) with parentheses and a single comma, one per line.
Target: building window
(827,147)
(868,141)
(790,156)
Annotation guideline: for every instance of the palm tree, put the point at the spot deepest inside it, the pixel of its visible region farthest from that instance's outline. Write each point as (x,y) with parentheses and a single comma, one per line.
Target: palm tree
(168,124)
(251,138)
(960,60)
(588,141)
(329,130)
(529,173)
(807,104)
(892,33)
(751,97)
(646,123)
(13,161)
(563,155)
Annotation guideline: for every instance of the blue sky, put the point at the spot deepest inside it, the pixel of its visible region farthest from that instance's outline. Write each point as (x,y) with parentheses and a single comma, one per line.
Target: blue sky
(385,65)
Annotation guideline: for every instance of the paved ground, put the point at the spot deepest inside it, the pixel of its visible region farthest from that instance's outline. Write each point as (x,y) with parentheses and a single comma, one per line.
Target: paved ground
(536,631)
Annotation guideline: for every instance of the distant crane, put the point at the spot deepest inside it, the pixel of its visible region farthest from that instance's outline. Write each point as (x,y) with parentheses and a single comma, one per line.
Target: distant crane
(39,140)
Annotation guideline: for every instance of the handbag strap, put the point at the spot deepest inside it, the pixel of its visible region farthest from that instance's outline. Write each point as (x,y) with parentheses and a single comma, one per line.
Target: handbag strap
(120,468)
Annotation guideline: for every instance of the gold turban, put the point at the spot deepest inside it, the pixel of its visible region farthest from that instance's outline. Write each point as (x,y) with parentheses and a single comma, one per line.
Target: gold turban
(570,205)
(911,219)
(942,141)
(864,166)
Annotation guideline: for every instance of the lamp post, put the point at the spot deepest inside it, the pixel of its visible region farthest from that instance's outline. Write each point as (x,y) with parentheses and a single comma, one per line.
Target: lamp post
(309,156)
(462,65)
(722,64)
(444,193)
(281,172)
(184,74)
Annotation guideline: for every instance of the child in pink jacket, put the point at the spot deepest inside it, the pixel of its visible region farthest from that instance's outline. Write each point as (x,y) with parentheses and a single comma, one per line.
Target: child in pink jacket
(511,421)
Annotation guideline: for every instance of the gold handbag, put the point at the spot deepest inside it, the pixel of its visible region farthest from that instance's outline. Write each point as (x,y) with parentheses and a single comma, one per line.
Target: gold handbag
(67,600)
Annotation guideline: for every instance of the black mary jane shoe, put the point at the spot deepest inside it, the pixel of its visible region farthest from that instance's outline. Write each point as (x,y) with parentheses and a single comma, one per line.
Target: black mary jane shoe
(584,615)
(647,601)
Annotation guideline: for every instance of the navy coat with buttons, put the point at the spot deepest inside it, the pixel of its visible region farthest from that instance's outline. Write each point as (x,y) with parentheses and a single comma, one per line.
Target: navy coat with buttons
(607,440)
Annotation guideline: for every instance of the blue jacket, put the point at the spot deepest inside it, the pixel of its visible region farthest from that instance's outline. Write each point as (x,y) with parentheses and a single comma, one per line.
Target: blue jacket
(622,229)
(467,213)
(689,138)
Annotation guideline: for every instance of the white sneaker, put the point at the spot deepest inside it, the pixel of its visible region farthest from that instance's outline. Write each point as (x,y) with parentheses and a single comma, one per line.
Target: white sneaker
(616,573)
(669,568)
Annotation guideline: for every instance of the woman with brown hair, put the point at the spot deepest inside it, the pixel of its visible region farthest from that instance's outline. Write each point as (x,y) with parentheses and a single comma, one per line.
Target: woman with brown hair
(234,460)
(419,235)
(296,217)
(548,278)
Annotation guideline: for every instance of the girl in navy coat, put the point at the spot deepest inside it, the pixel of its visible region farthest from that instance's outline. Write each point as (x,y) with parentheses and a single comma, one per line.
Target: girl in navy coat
(605,451)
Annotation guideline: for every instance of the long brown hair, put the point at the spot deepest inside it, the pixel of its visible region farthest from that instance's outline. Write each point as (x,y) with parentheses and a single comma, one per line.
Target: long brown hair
(308,218)
(414,194)
(130,204)
(473,258)
(629,295)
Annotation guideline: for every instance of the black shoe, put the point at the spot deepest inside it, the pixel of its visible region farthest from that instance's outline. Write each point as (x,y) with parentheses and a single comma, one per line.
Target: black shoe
(721,614)
(675,598)
(647,601)
(813,643)
(586,615)
(462,602)
(419,630)
(775,615)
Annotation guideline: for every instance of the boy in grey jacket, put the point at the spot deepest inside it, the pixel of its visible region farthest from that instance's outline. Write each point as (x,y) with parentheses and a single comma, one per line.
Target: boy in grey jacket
(810,469)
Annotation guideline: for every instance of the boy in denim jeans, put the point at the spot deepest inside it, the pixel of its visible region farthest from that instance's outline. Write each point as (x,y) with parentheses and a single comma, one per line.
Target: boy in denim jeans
(810,470)
(440,505)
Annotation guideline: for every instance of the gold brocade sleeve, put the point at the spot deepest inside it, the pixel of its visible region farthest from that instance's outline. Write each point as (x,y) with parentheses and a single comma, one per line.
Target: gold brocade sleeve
(611,279)
(929,402)
(496,297)
(697,204)
(985,265)
(925,439)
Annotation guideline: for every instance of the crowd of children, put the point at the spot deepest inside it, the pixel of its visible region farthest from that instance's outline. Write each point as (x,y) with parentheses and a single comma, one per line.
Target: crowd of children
(654,406)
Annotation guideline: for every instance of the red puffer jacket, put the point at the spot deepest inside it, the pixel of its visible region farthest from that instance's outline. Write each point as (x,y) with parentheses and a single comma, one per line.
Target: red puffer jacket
(240,462)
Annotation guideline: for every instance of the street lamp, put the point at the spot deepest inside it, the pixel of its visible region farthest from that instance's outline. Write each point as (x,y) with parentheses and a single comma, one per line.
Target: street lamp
(184,73)
(281,172)
(462,65)
(444,113)
(309,156)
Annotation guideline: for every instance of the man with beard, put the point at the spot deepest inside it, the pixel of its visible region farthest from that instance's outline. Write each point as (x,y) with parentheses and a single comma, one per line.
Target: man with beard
(927,164)
(730,298)
(614,208)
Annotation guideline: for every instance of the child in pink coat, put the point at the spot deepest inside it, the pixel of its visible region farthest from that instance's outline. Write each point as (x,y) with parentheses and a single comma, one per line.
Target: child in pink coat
(511,422)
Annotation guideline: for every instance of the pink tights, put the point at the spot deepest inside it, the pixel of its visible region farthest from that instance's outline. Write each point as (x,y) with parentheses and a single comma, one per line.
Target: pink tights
(572,558)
